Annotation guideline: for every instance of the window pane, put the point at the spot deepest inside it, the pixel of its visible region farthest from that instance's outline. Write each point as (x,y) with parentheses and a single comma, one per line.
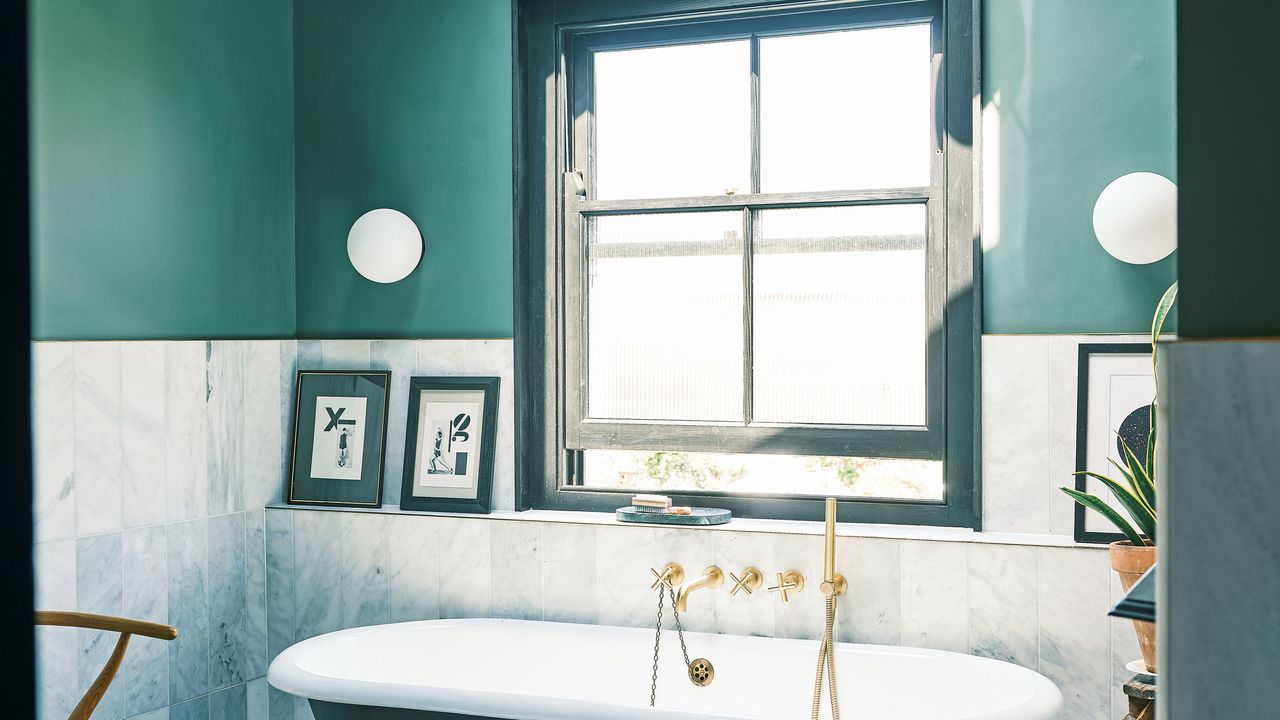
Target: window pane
(673,121)
(840,326)
(845,110)
(665,317)
(781,474)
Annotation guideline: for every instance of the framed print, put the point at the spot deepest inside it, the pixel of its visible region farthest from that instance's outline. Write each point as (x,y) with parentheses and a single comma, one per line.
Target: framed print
(339,438)
(448,449)
(1115,391)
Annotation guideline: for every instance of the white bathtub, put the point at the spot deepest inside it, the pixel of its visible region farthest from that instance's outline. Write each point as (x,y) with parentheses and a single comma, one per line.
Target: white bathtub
(556,671)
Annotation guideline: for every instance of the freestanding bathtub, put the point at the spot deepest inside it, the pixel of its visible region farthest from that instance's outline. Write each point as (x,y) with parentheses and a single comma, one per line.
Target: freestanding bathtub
(556,671)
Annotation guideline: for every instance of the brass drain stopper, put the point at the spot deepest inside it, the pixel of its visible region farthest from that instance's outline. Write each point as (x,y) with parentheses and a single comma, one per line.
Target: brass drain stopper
(701,672)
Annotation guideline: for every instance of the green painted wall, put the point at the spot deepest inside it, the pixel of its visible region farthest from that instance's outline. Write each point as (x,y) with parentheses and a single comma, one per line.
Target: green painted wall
(162,167)
(1075,94)
(405,104)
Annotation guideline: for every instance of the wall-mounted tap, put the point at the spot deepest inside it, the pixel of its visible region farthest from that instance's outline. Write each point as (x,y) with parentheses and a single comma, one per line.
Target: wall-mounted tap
(749,582)
(711,578)
(789,582)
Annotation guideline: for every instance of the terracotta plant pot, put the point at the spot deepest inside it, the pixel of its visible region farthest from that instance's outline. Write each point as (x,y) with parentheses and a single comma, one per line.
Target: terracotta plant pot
(1130,562)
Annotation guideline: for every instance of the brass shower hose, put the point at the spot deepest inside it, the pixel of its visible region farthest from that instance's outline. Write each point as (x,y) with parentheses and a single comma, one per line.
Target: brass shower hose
(827,663)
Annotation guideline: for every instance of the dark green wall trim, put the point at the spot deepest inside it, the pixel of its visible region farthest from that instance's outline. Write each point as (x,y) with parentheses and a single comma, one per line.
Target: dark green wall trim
(1228,102)
(15,353)
(162,169)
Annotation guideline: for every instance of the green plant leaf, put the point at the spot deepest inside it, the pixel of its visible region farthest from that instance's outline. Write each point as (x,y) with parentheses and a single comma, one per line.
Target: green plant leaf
(1141,514)
(1097,505)
(1151,447)
(1142,483)
(1162,312)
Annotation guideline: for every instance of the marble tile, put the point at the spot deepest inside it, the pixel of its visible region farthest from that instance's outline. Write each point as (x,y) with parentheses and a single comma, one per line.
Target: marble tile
(743,614)
(161,714)
(935,604)
(188,609)
(802,617)
(196,709)
(316,591)
(57,648)
(694,549)
(258,699)
(229,660)
(1015,433)
(98,457)
(53,408)
(287,379)
(280,579)
(1124,648)
(281,704)
(366,596)
(1063,367)
(98,590)
(310,356)
(142,383)
(255,592)
(229,704)
(144,676)
(400,357)
(344,354)
(1075,634)
(516,570)
(442,357)
(225,399)
(871,609)
(260,427)
(464,568)
(186,431)
(623,558)
(569,573)
(414,568)
(1003,585)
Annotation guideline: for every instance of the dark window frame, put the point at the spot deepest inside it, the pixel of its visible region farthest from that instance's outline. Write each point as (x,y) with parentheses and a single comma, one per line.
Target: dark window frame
(552,39)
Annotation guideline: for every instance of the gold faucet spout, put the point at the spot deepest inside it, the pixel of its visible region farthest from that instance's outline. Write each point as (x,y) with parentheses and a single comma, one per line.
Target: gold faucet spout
(711,578)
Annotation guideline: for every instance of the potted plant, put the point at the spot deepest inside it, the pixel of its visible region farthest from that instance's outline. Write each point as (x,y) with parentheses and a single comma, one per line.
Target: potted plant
(1135,492)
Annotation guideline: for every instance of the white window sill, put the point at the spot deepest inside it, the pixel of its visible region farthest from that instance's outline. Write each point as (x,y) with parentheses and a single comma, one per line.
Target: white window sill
(750,525)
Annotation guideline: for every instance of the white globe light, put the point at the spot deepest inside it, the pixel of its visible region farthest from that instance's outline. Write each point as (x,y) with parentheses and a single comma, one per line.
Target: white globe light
(1136,218)
(384,245)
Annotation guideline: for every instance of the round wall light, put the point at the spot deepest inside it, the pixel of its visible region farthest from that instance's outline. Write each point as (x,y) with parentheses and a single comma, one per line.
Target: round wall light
(1136,218)
(384,245)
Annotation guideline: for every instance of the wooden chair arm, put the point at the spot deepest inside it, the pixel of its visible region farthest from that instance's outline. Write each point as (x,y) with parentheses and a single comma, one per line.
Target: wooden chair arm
(106,622)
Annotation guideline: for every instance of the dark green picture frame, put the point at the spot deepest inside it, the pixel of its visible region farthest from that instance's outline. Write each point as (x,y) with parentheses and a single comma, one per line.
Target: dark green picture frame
(303,489)
(482,502)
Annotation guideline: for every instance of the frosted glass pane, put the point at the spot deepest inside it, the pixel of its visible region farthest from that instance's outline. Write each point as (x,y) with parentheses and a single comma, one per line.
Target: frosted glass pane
(673,121)
(840,324)
(845,110)
(764,474)
(664,317)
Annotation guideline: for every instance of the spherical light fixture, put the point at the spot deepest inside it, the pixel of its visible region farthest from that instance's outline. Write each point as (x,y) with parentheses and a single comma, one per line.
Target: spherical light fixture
(384,245)
(1136,218)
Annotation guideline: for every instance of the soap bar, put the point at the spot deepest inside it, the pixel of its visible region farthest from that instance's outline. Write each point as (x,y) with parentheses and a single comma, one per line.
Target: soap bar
(656,501)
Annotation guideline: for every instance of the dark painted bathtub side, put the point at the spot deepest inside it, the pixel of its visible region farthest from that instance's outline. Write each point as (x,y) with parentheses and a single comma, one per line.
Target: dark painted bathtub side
(342,711)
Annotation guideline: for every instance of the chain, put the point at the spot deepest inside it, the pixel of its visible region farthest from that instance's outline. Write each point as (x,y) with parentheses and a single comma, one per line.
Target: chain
(657,640)
(679,630)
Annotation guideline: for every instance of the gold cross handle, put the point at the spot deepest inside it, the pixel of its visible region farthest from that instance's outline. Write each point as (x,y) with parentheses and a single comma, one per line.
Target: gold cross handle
(750,581)
(671,576)
(789,582)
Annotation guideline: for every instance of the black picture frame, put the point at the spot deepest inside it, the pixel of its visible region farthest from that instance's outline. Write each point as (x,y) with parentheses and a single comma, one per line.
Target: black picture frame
(365,491)
(412,496)
(1087,350)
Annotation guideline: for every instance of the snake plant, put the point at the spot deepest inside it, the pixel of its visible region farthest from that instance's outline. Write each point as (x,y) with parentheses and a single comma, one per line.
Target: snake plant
(1137,493)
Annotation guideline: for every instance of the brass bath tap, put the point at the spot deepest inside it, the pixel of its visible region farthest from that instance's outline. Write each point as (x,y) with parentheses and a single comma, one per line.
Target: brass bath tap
(711,578)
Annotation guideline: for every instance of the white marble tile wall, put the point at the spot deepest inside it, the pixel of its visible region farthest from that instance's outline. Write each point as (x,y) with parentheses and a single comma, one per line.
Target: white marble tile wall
(154,461)
(1042,607)
(201,446)
(1029,429)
